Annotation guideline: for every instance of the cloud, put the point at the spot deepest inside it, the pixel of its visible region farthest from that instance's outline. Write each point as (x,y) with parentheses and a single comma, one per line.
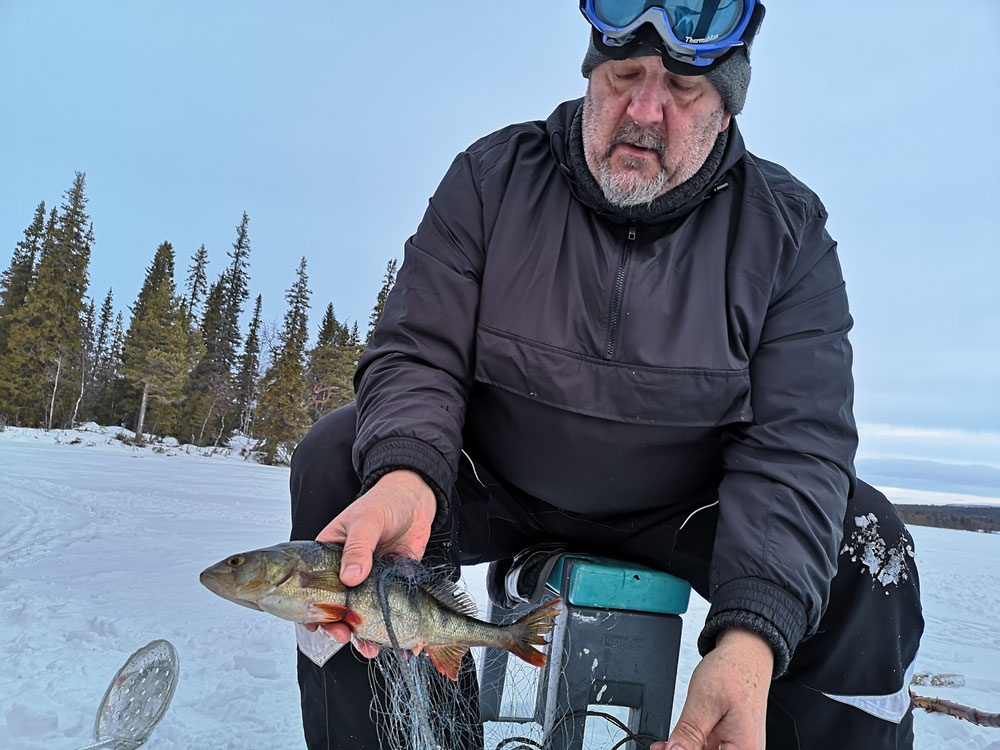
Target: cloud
(947,446)
(971,479)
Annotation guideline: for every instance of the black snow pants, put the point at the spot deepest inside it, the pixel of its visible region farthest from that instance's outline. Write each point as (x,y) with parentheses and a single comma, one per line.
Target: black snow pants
(846,686)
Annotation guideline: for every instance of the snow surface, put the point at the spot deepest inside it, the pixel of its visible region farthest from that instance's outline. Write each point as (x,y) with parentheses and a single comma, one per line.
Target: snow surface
(100,549)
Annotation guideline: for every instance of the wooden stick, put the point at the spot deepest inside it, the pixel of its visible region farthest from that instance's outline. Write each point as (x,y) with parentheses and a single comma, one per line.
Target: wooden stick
(939,705)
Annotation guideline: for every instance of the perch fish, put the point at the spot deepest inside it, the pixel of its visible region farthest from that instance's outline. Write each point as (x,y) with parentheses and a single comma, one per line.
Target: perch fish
(300,581)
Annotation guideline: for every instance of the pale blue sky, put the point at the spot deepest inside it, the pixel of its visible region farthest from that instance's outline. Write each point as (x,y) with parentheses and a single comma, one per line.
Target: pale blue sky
(332,132)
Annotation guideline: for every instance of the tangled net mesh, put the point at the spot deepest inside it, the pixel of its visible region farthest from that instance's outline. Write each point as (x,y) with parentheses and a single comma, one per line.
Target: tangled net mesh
(417,708)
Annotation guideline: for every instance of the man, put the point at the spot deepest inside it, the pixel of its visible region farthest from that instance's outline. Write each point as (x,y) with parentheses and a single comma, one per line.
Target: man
(619,330)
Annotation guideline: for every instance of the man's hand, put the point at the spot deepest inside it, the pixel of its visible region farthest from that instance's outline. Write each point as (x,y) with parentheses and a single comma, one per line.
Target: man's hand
(726,703)
(393,517)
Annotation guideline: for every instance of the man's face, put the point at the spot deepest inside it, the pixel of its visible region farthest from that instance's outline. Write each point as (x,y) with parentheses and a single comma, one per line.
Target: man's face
(647,130)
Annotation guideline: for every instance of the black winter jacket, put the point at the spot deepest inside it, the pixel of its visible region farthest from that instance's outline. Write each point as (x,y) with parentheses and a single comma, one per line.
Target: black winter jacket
(603,365)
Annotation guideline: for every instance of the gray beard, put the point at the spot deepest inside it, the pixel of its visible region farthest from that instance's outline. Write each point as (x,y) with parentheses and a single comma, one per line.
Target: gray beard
(629,189)
(624,190)
(591,194)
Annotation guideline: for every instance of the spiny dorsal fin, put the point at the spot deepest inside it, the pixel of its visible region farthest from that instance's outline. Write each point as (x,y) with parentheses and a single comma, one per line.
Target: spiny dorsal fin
(451,597)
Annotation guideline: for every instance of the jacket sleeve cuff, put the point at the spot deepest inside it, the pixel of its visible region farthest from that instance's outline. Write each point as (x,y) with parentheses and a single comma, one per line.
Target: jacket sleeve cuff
(393,454)
(761,607)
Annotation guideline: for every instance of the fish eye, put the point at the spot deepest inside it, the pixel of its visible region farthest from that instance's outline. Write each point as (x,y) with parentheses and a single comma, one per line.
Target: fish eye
(235,561)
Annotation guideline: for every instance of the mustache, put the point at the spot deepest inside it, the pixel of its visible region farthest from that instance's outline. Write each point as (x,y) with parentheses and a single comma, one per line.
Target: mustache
(635,135)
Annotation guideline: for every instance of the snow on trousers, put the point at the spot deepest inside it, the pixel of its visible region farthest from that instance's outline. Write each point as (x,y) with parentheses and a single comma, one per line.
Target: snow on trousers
(847,685)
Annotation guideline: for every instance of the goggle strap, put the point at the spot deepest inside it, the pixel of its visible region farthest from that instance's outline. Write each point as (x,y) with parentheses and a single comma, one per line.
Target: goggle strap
(705,19)
(756,19)
(678,67)
(620,52)
(681,68)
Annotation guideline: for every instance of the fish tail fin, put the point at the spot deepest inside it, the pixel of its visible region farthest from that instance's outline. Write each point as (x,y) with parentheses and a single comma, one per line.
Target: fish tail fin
(531,630)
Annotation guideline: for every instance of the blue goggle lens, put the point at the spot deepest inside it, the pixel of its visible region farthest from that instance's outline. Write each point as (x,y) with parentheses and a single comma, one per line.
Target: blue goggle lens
(619,13)
(690,22)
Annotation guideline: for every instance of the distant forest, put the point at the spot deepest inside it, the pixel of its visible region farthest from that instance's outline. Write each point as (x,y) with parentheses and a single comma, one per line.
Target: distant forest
(180,366)
(965,517)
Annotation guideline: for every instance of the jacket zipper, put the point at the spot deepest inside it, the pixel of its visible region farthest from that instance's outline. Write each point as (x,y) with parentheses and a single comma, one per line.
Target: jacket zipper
(614,320)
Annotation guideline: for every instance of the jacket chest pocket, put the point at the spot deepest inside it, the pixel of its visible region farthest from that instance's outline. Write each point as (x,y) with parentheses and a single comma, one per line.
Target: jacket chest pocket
(665,396)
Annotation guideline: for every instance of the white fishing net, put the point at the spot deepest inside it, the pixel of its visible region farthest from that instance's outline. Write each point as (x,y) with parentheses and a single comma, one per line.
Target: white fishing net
(422,709)
(417,708)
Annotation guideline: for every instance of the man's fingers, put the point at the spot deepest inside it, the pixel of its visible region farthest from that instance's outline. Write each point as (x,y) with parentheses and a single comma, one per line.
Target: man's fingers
(356,562)
(692,728)
(367,649)
(362,537)
(338,631)
(333,532)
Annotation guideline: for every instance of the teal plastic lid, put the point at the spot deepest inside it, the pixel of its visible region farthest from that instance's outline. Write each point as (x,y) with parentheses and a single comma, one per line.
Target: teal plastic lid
(613,584)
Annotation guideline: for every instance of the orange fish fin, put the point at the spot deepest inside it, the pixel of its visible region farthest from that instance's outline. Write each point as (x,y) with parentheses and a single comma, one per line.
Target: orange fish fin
(327,580)
(447,658)
(532,629)
(338,613)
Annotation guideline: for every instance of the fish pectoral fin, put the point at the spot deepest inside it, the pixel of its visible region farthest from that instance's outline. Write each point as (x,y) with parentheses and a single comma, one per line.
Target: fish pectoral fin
(447,658)
(327,580)
(338,613)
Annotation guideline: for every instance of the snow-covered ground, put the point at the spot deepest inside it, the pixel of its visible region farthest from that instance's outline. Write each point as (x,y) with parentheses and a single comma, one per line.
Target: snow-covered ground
(100,549)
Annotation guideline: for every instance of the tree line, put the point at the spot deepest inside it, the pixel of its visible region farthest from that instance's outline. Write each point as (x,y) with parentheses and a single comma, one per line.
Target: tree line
(965,518)
(181,366)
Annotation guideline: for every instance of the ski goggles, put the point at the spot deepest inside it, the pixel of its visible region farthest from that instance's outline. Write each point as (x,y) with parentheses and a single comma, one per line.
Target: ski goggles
(696,32)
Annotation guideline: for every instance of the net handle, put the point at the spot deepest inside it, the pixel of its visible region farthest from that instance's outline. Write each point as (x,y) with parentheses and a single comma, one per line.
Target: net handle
(104,743)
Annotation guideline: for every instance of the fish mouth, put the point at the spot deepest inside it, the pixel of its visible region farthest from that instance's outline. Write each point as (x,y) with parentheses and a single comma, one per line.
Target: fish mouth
(214,583)
(218,585)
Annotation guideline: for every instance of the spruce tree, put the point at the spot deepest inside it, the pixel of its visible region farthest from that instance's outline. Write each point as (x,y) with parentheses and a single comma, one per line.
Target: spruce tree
(159,273)
(329,328)
(331,365)
(207,390)
(86,363)
(249,375)
(101,375)
(282,418)
(16,281)
(197,281)
(237,290)
(46,334)
(383,294)
(155,352)
(208,384)
(102,335)
(109,410)
(211,388)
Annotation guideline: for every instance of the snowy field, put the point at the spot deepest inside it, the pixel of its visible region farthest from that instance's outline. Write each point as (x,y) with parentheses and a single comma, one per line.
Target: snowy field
(100,549)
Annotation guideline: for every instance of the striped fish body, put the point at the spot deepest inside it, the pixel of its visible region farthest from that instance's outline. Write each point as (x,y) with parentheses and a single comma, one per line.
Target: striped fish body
(300,581)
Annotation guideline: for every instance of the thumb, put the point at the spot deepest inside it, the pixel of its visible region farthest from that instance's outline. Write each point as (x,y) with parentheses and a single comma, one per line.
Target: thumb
(693,728)
(359,547)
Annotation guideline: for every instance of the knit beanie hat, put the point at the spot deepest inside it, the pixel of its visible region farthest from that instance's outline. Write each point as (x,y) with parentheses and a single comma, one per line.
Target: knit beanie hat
(731,77)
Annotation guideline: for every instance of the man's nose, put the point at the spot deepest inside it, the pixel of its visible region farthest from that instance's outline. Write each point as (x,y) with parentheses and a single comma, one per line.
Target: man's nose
(647,105)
